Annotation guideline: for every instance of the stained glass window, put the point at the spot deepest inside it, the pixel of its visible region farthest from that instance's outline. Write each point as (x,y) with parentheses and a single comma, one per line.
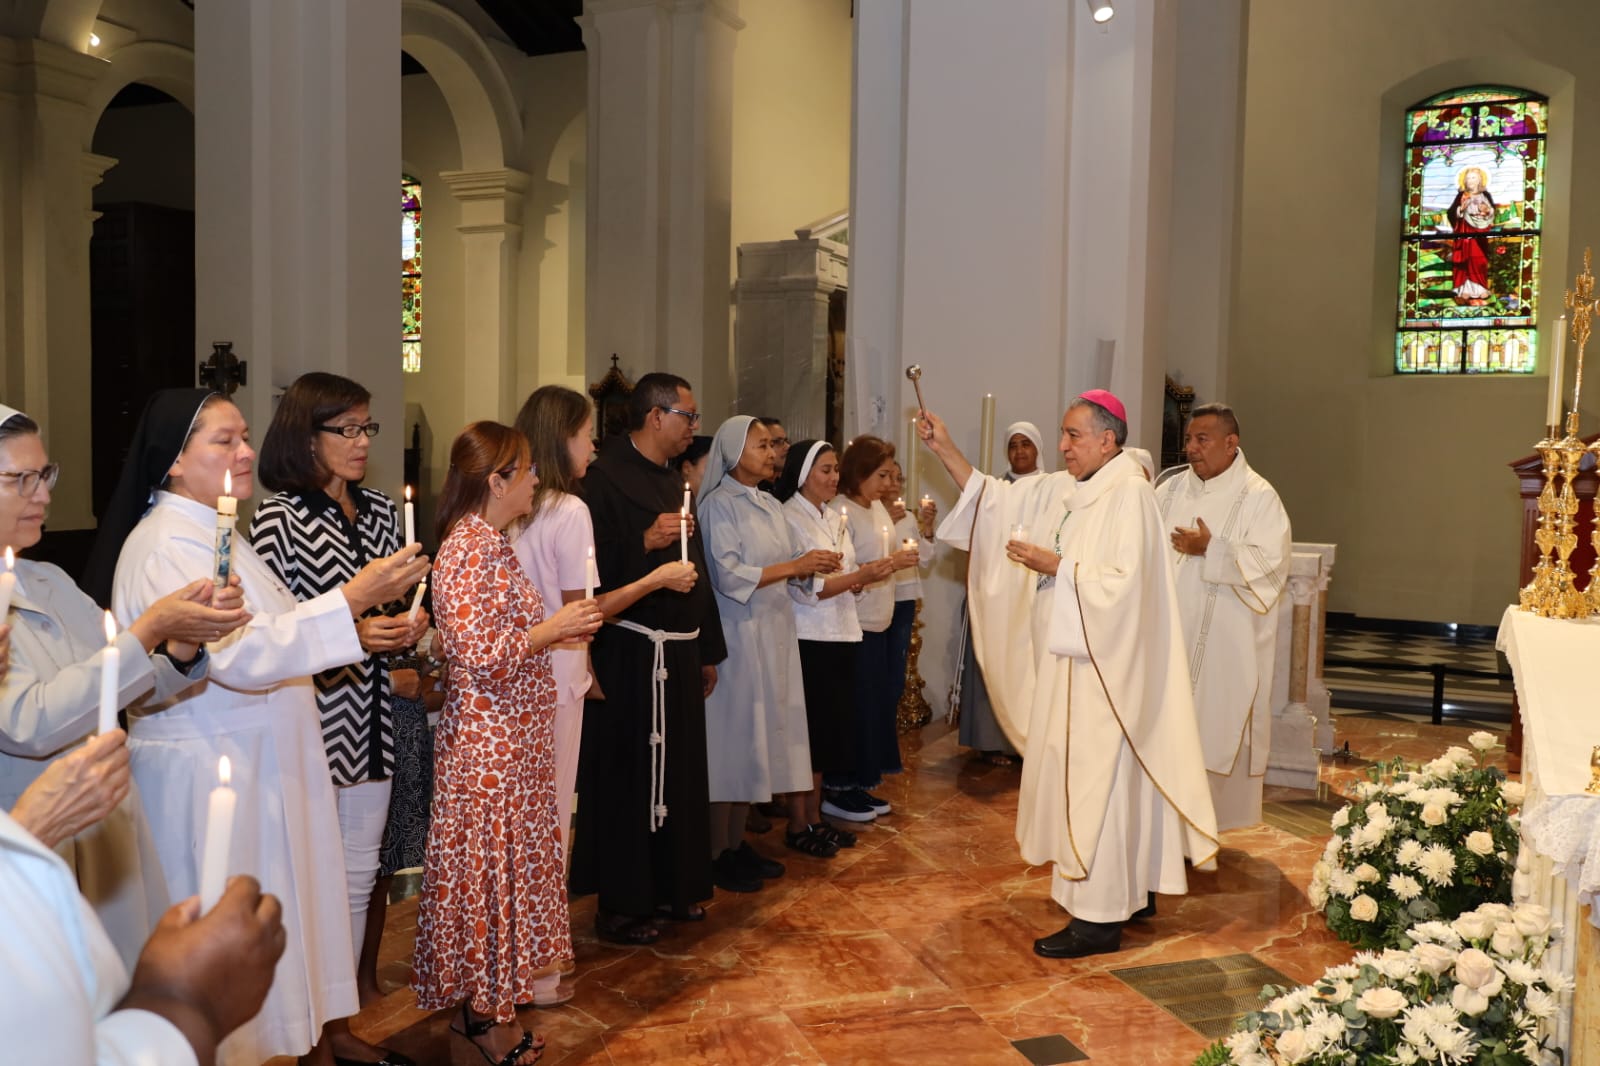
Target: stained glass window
(410,274)
(1469,251)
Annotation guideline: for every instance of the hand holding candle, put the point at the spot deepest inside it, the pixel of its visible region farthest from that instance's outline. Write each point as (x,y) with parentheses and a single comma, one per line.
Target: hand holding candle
(227,514)
(214,857)
(591,575)
(110,674)
(683,534)
(416,600)
(410,518)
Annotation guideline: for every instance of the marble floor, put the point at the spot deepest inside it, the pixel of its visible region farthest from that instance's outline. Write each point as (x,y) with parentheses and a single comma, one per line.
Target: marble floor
(915,946)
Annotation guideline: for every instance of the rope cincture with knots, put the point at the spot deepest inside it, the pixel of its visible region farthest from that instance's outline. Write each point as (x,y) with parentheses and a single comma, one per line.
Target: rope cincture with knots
(658,714)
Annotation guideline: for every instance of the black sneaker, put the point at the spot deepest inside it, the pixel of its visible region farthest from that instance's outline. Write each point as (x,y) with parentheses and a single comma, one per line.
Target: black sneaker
(729,874)
(878,805)
(847,806)
(754,863)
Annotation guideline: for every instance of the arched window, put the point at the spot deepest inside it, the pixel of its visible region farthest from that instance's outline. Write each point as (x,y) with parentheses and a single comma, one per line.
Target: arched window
(1469,250)
(410,274)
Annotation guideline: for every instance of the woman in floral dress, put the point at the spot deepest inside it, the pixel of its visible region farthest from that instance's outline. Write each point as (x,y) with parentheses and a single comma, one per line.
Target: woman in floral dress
(494,903)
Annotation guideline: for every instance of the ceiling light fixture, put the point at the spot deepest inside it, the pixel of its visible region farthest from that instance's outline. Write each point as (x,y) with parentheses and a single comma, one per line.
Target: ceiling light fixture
(94,40)
(1100,10)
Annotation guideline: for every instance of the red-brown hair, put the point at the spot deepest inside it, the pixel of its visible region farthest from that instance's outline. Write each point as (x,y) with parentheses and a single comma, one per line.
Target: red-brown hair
(481,449)
(861,457)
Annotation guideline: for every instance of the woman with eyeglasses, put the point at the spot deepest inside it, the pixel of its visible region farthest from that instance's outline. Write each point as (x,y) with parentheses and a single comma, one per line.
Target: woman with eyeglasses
(51,694)
(316,532)
(257,706)
(493,919)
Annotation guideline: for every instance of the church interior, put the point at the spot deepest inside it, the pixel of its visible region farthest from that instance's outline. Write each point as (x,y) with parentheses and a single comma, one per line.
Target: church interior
(787,202)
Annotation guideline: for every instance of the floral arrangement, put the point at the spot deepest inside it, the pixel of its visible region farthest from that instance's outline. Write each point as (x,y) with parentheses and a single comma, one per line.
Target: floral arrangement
(1474,990)
(1417,845)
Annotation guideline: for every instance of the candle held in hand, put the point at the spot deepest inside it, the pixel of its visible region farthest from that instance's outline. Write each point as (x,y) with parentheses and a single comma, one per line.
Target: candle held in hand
(410,511)
(685,497)
(838,537)
(591,575)
(227,514)
(219,838)
(110,672)
(885,545)
(683,534)
(8,583)
(416,600)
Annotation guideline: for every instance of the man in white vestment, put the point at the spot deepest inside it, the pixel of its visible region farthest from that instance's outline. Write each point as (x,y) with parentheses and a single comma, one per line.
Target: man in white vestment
(1075,624)
(1230,543)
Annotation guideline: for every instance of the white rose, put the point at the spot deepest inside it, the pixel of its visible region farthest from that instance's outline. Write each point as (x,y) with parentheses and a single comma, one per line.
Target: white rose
(1531,919)
(1474,969)
(1366,873)
(1514,792)
(1341,818)
(1480,843)
(1468,1000)
(1433,814)
(1317,894)
(1474,926)
(1460,756)
(1483,741)
(1382,1002)
(1507,941)
(1495,912)
(1433,959)
(1293,1045)
(1363,908)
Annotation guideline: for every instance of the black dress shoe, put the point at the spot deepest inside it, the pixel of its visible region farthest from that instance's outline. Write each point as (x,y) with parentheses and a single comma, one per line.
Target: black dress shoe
(1147,911)
(752,861)
(1080,938)
(729,874)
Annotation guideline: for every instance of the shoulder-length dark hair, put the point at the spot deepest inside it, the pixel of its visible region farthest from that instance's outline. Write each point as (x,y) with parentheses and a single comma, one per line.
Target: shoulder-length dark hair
(550,417)
(483,448)
(861,457)
(286,462)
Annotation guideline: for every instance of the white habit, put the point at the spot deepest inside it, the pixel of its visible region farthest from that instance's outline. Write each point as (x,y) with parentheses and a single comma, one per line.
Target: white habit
(257,707)
(1228,601)
(1086,675)
(63,978)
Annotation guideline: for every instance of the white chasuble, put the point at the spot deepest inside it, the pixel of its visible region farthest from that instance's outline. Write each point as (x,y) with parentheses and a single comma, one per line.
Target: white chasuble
(1228,601)
(1087,676)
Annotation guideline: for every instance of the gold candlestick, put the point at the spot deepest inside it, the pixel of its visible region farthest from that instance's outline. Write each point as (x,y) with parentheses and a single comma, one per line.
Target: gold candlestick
(913,711)
(1536,595)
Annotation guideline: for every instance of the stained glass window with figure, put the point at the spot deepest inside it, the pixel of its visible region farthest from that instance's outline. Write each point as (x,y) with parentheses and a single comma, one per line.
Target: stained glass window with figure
(410,274)
(1469,250)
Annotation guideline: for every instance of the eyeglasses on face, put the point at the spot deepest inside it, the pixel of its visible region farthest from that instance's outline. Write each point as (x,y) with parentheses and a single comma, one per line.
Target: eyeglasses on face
(27,482)
(509,473)
(352,431)
(692,416)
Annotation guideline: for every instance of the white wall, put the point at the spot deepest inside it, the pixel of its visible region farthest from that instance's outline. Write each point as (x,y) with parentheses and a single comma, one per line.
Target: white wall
(1407,474)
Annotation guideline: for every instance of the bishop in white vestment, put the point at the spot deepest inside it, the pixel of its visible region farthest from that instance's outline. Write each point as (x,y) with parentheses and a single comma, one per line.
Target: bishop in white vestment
(1075,624)
(1230,555)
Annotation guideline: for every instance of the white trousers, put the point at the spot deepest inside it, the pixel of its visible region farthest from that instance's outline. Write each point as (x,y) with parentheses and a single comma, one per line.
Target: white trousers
(569,735)
(363,813)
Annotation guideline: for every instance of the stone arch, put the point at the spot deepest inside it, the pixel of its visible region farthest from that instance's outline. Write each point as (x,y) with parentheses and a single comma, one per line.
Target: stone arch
(474,85)
(167,67)
(63,22)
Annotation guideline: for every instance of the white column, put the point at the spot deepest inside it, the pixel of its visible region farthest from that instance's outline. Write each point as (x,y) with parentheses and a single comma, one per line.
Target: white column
(45,225)
(1294,758)
(659,178)
(297,165)
(1318,698)
(491,201)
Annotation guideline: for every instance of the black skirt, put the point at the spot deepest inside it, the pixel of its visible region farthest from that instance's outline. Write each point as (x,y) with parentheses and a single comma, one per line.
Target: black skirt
(828,669)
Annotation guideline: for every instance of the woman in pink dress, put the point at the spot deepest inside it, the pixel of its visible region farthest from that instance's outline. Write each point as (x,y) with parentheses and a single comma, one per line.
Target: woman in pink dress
(494,902)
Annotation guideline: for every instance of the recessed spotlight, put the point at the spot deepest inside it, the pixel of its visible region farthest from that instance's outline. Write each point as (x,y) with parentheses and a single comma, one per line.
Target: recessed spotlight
(1100,10)
(94,40)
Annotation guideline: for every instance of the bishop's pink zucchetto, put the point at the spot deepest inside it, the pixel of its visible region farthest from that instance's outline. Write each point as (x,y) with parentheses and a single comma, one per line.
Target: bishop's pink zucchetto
(1105,399)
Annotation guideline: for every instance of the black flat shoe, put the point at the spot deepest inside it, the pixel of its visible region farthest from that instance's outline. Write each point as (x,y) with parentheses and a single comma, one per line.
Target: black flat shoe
(729,874)
(1147,911)
(692,913)
(1080,938)
(753,862)
(390,1058)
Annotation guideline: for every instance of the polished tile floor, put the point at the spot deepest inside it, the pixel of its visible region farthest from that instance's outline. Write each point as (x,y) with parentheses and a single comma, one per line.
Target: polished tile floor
(915,947)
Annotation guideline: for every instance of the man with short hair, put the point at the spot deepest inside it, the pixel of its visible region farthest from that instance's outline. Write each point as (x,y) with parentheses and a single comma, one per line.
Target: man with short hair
(643,834)
(1230,564)
(1075,623)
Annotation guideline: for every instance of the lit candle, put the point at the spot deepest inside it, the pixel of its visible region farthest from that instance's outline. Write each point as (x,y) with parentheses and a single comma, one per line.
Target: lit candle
(591,575)
(838,536)
(1018,531)
(1552,416)
(683,531)
(219,838)
(908,545)
(927,501)
(685,497)
(986,433)
(8,583)
(227,514)
(410,510)
(416,600)
(110,669)
(885,533)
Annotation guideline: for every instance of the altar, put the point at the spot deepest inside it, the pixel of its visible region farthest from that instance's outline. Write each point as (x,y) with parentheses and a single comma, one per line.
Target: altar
(1559,864)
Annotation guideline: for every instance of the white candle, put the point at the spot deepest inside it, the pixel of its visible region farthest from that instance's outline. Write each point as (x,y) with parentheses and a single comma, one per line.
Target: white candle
(927,501)
(110,671)
(683,532)
(986,433)
(227,514)
(838,538)
(908,545)
(1552,416)
(219,838)
(1018,531)
(685,497)
(8,583)
(416,600)
(410,512)
(900,502)
(591,575)
(885,534)
(913,480)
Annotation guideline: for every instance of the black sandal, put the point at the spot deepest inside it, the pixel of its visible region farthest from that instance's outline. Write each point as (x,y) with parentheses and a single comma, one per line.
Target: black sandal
(841,838)
(625,929)
(809,842)
(692,913)
(473,1030)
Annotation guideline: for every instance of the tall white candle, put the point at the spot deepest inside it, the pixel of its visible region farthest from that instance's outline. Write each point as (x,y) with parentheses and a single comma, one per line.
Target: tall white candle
(986,433)
(110,672)
(685,497)
(884,531)
(1552,416)
(591,575)
(8,583)
(913,478)
(219,838)
(838,537)
(227,514)
(683,534)
(410,511)
(416,600)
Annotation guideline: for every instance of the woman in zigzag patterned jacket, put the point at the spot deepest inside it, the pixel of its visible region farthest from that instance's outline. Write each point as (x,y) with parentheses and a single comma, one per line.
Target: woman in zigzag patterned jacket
(318,530)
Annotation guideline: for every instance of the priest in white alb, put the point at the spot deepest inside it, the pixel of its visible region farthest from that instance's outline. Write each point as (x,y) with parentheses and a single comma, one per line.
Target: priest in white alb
(1230,556)
(1075,624)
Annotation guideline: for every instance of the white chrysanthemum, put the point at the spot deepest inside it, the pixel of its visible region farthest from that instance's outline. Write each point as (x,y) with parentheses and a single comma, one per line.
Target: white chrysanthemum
(1367,789)
(1445,797)
(1453,1043)
(1404,887)
(1341,883)
(1243,1042)
(1519,972)
(1408,853)
(1327,1027)
(1406,1055)
(1438,864)
(1330,850)
(1403,787)
(1341,818)
(1483,741)
(1554,980)
(1540,1003)
(1345,971)
(1437,932)
(1363,838)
